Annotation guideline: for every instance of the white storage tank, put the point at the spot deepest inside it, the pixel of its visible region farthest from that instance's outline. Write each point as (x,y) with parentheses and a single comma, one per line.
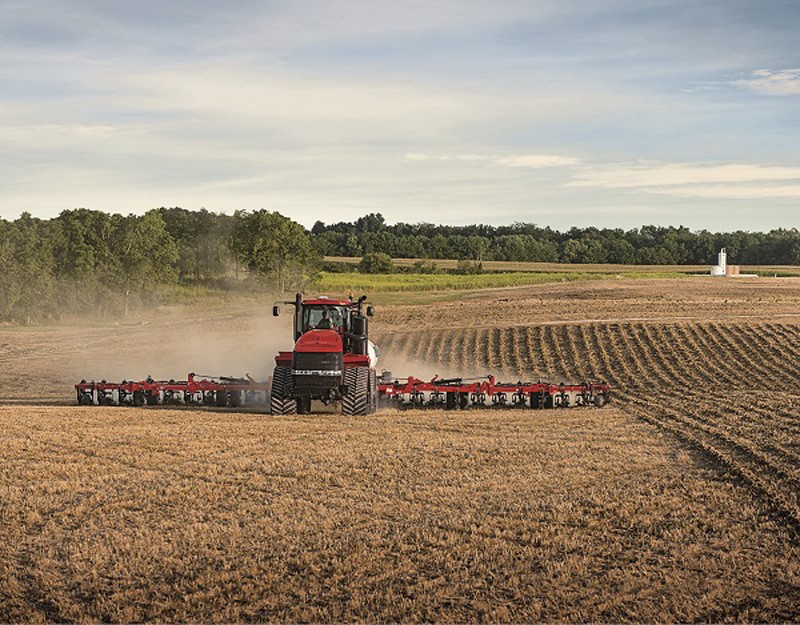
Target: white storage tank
(721,268)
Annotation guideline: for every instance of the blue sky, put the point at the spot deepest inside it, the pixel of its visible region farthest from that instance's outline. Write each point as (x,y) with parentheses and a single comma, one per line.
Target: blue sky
(614,114)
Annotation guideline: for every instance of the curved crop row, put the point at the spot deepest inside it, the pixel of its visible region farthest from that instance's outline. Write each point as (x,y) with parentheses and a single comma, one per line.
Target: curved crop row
(730,389)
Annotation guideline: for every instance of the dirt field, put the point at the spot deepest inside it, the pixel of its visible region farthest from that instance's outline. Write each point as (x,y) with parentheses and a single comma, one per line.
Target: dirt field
(679,502)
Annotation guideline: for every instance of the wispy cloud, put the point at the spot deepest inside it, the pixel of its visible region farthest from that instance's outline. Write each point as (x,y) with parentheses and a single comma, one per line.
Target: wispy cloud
(650,174)
(694,180)
(505,111)
(533,161)
(782,82)
(731,192)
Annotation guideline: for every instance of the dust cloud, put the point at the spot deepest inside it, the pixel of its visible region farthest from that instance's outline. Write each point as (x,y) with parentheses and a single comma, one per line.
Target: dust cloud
(230,345)
(401,366)
(45,363)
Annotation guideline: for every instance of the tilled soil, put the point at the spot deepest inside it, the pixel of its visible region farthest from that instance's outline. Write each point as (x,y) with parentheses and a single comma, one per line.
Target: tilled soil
(679,502)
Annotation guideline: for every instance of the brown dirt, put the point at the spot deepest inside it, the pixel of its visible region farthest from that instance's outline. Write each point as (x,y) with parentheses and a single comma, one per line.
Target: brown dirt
(679,502)
(685,299)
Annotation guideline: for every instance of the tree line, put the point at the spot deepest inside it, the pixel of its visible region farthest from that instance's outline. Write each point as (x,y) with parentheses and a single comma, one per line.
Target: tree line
(91,263)
(648,245)
(88,262)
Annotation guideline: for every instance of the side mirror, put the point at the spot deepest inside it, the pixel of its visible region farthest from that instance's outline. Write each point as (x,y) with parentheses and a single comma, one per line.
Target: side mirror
(276,310)
(370,311)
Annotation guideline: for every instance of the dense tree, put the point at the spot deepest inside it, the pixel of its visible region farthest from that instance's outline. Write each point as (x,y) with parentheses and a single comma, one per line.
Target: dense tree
(29,285)
(376,262)
(528,242)
(272,245)
(92,262)
(203,242)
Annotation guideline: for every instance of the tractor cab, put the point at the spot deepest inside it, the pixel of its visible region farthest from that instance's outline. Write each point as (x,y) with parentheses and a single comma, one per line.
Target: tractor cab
(344,316)
(325,316)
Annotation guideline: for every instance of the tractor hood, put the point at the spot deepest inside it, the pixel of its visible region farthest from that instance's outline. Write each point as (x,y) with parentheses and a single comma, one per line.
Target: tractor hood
(319,341)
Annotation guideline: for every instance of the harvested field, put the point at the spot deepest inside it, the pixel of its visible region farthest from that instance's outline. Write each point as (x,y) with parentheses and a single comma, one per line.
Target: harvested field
(687,299)
(136,514)
(679,502)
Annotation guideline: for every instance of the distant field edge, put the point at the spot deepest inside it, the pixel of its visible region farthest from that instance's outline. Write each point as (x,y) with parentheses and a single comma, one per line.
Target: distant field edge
(418,282)
(534,267)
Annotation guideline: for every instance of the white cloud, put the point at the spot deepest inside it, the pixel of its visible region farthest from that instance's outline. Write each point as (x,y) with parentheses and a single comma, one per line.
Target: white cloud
(304,105)
(694,180)
(536,160)
(731,192)
(783,82)
(674,174)
(533,161)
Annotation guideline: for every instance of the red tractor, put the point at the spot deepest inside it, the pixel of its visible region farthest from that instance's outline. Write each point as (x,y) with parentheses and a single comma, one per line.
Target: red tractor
(332,360)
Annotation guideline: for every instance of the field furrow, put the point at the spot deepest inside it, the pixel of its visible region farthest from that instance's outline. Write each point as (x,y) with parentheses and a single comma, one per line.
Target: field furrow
(519,350)
(752,358)
(691,365)
(502,349)
(769,347)
(602,341)
(444,352)
(544,354)
(729,389)
(729,361)
(778,344)
(649,362)
(740,456)
(471,340)
(694,355)
(431,352)
(476,349)
(659,358)
(596,359)
(567,339)
(561,367)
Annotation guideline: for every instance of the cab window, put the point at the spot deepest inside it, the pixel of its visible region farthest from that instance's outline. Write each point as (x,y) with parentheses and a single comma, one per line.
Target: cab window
(312,317)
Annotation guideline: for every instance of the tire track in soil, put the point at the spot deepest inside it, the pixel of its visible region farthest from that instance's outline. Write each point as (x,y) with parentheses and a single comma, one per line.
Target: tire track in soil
(700,410)
(760,476)
(744,439)
(693,404)
(697,379)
